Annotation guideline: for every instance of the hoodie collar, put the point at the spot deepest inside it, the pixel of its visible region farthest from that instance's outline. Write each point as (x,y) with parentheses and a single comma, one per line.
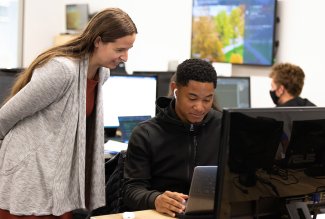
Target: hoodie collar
(166,111)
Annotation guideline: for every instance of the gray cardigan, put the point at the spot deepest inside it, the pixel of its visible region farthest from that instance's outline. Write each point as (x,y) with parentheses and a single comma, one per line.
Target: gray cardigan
(47,165)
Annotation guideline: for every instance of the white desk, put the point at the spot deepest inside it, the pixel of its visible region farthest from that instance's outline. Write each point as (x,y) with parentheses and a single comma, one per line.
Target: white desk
(146,214)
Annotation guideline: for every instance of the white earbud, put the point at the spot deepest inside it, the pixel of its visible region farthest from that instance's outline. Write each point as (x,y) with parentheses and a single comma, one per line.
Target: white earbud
(175,93)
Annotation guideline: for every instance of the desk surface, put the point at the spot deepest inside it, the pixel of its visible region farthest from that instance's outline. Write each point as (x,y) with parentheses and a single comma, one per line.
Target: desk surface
(152,214)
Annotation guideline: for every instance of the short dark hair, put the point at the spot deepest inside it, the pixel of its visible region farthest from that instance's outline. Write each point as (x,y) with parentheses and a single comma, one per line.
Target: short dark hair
(196,70)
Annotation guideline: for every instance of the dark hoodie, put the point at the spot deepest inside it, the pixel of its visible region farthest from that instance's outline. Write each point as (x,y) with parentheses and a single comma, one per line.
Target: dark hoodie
(297,101)
(163,152)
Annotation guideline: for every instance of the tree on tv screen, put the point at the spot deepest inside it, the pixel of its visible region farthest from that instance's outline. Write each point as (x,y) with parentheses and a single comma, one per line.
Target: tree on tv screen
(219,38)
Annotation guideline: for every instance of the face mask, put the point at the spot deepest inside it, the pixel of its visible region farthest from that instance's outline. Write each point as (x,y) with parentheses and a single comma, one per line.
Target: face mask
(274,97)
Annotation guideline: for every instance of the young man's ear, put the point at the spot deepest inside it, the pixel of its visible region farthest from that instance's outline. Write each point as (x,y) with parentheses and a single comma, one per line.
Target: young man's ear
(282,89)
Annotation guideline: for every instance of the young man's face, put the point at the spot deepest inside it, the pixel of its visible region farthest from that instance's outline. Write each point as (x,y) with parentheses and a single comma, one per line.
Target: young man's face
(194,101)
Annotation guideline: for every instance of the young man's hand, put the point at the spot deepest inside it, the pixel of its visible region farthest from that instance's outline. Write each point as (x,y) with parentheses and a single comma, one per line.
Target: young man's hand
(171,202)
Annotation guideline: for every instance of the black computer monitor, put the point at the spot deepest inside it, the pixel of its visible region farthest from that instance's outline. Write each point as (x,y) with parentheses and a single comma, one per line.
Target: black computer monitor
(163,80)
(275,142)
(128,95)
(233,92)
(7,78)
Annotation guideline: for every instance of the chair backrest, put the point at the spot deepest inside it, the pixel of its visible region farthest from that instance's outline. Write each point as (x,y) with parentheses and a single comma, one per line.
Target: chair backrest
(114,170)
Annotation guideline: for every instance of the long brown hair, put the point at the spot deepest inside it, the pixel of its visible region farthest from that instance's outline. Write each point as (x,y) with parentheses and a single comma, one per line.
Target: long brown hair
(110,24)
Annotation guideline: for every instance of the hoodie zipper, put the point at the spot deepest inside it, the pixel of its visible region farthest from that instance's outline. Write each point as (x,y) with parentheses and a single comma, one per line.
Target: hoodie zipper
(192,152)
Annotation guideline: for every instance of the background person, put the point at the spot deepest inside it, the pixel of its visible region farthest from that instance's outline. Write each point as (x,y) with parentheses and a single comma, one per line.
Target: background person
(163,151)
(287,84)
(51,127)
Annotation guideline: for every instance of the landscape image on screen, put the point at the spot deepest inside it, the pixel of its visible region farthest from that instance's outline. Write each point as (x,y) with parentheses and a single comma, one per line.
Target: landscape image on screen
(233,31)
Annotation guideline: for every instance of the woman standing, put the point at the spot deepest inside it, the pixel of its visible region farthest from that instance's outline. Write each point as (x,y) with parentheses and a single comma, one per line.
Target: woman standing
(51,127)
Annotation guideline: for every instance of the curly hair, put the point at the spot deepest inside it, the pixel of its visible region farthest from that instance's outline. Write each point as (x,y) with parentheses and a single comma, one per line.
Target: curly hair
(290,76)
(196,70)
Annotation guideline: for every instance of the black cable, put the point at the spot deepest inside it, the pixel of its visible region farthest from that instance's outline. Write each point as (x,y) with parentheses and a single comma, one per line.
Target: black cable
(269,183)
(237,185)
(283,174)
(276,170)
(296,180)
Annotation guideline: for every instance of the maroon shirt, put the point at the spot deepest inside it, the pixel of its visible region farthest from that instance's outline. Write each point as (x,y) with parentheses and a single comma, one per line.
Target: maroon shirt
(91,94)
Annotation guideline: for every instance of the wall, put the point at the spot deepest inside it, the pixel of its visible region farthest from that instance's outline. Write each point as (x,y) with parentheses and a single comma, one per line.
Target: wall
(161,37)
(42,21)
(165,33)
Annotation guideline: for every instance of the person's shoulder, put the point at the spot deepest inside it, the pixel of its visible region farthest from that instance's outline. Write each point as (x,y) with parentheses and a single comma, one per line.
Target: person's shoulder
(60,63)
(66,66)
(148,122)
(56,69)
(216,114)
(145,126)
(299,101)
(308,102)
(65,62)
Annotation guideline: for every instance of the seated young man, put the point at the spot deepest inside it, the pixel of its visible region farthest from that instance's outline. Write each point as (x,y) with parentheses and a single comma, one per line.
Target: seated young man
(164,150)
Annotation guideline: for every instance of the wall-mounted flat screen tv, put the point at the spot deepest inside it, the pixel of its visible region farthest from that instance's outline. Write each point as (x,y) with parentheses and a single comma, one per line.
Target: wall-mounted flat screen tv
(234,31)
